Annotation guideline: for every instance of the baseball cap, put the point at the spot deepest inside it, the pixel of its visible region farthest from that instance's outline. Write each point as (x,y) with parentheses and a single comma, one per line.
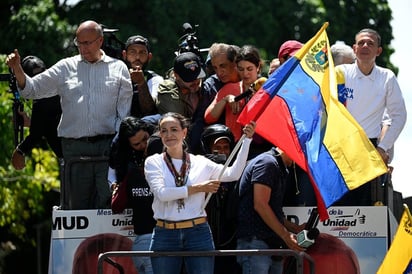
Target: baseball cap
(289,48)
(32,65)
(187,65)
(137,39)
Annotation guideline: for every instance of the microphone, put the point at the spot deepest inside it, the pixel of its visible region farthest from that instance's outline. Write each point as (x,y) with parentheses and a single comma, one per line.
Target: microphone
(245,94)
(313,219)
(255,86)
(306,238)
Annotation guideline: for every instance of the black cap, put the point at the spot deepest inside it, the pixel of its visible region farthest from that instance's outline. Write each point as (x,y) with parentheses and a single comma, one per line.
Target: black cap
(32,65)
(137,39)
(188,66)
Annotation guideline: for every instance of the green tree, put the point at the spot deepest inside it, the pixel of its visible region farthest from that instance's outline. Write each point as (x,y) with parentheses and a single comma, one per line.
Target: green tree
(266,24)
(27,196)
(34,28)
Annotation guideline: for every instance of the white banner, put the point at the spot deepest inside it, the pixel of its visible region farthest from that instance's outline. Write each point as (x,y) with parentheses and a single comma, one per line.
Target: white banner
(78,237)
(363,229)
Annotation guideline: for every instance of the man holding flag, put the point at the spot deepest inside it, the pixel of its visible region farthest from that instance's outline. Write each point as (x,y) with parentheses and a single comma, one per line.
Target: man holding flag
(312,127)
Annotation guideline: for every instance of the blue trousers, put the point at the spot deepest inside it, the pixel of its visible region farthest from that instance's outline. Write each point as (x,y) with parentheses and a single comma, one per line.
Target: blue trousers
(142,243)
(197,238)
(257,264)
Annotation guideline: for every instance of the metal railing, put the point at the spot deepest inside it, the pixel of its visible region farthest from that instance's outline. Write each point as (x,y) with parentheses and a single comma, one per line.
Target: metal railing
(299,256)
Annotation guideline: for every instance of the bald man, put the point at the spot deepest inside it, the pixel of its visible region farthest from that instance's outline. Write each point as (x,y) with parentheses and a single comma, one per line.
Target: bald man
(96,94)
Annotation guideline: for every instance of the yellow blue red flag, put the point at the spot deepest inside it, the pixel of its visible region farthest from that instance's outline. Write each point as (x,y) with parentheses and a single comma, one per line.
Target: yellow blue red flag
(297,109)
(399,257)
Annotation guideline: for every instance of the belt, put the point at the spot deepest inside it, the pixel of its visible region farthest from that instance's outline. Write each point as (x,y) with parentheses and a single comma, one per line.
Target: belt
(181,224)
(93,139)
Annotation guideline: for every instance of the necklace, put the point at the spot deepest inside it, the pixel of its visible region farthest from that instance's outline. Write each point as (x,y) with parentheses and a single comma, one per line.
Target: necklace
(180,177)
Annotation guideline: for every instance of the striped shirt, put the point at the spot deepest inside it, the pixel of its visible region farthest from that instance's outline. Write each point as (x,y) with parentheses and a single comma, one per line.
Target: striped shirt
(95,97)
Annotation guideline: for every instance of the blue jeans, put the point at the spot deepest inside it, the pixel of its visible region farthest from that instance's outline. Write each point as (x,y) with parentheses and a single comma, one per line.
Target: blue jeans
(142,264)
(257,264)
(197,238)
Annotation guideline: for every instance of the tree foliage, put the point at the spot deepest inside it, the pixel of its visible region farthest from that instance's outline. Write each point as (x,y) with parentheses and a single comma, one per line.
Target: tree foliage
(35,28)
(49,27)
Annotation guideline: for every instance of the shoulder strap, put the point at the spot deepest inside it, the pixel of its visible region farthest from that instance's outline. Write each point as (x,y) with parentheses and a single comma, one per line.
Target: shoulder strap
(150,74)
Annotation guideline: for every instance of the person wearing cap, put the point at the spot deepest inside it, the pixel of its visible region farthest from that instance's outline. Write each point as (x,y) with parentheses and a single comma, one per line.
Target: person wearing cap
(45,117)
(137,55)
(181,93)
(95,94)
(288,49)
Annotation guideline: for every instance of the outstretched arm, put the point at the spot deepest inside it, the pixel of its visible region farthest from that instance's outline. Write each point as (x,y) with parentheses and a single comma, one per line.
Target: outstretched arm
(13,61)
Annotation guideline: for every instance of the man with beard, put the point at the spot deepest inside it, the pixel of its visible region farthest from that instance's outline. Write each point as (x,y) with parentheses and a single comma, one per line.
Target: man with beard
(137,55)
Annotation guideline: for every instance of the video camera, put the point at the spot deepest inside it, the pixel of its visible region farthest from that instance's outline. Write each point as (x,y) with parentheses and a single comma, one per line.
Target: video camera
(112,46)
(188,42)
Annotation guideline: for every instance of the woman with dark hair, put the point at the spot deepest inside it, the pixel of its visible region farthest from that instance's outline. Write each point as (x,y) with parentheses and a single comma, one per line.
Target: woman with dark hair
(179,182)
(134,143)
(130,145)
(249,66)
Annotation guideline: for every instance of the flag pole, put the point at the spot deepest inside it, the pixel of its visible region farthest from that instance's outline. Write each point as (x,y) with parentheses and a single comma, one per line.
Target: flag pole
(406,208)
(229,159)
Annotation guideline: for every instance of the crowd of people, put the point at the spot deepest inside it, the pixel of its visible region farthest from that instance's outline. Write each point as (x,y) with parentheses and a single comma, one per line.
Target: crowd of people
(168,139)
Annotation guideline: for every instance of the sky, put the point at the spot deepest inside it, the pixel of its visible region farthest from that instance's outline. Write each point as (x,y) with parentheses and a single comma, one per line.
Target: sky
(402,58)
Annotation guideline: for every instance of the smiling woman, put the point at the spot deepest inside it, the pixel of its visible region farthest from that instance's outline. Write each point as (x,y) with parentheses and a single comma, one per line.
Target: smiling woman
(179,181)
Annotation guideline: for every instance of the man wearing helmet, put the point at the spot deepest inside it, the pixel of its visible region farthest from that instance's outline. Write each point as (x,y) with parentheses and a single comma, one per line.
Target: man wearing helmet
(217,142)
(217,139)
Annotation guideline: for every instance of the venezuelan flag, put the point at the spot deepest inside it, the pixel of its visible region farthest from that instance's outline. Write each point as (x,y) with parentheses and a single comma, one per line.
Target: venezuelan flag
(297,109)
(399,257)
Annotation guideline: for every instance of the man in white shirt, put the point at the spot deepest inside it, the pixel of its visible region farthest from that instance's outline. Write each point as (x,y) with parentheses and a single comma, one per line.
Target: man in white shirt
(367,90)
